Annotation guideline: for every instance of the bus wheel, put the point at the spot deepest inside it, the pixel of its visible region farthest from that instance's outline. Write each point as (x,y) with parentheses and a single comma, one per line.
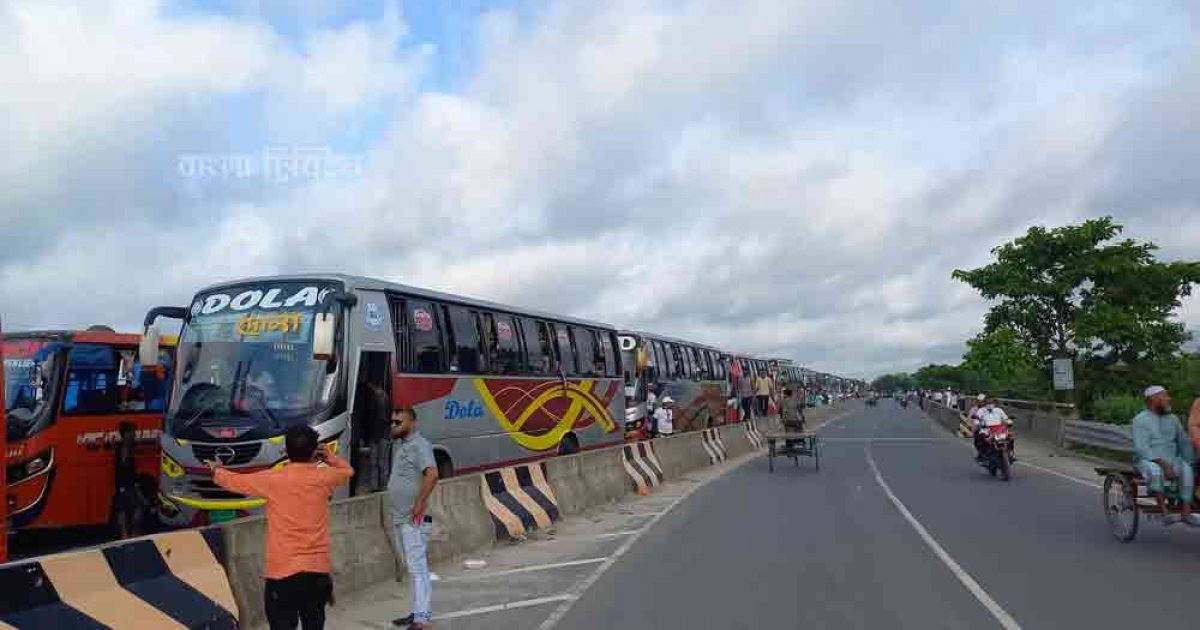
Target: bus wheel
(569,445)
(445,467)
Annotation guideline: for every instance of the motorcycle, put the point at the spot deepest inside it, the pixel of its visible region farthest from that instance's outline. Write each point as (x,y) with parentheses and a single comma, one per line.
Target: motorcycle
(997,452)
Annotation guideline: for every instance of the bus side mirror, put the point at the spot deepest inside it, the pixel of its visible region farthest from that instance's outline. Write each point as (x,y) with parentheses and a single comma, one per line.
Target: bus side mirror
(323,335)
(148,347)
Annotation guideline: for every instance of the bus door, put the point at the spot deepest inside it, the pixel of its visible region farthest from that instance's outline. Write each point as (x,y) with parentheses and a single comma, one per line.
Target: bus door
(371,429)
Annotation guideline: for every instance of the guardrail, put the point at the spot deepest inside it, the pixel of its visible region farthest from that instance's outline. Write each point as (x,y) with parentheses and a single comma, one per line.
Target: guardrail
(1110,436)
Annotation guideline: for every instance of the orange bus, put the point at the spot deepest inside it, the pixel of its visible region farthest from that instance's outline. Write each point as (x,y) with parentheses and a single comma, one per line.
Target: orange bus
(66,393)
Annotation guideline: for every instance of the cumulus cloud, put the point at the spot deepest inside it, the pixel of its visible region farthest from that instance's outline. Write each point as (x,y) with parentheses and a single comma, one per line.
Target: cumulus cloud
(786,178)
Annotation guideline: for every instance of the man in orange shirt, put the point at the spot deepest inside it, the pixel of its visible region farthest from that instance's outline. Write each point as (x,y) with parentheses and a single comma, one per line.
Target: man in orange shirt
(297,564)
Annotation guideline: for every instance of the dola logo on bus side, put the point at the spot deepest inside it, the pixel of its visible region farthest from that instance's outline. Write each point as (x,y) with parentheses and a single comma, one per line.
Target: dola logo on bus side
(462,411)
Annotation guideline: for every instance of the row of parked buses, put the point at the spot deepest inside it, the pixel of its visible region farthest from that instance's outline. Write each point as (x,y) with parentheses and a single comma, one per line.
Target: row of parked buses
(493,385)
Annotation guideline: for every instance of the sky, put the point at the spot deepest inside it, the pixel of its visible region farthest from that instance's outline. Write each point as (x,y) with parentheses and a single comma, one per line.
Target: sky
(784,178)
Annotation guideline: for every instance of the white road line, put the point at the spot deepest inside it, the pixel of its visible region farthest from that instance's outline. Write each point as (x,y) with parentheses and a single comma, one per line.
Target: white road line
(466,577)
(997,611)
(618,534)
(524,603)
(1058,474)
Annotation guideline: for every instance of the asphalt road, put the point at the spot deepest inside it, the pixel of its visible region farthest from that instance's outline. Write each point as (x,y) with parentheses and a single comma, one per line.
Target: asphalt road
(799,548)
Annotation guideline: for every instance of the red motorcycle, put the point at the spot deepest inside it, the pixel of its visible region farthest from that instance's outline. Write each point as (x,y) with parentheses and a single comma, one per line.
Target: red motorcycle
(997,453)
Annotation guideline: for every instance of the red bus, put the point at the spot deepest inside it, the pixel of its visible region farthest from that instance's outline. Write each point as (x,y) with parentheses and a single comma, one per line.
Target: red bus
(66,393)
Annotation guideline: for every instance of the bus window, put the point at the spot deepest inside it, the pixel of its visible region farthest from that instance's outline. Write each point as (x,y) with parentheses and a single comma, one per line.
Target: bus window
(679,368)
(703,369)
(608,346)
(464,340)
(585,351)
(503,345)
(566,353)
(92,381)
(425,337)
(666,360)
(536,359)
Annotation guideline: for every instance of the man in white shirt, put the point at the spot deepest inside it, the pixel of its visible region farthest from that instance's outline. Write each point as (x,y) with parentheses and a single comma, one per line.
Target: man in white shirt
(991,415)
(664,417)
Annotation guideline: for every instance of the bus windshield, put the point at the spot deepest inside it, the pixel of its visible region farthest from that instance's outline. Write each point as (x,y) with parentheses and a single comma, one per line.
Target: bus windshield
(29,371)
(246,366)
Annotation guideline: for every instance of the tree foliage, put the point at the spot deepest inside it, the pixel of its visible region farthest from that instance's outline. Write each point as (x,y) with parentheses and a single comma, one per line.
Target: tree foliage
(1005,366)
(897,382)
(1075,291)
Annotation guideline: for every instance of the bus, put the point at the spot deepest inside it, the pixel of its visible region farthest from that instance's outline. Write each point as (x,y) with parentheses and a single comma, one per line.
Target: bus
(695,376)
(3,463)
(493,385)
(66,394)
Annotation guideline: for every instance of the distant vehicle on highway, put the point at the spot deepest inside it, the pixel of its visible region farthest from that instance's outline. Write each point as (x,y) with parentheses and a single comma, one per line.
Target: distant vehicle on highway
(66,393)
(493,385)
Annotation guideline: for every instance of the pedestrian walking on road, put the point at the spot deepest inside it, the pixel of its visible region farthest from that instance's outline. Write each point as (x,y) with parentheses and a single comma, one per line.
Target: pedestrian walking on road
(298,585)
(762,393)
(414,476)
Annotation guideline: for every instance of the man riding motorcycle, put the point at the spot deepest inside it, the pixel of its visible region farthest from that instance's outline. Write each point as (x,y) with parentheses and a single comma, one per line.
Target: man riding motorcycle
(986,416)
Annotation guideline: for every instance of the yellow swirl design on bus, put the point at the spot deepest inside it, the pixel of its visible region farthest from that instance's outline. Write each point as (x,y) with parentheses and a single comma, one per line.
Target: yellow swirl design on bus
(581,397)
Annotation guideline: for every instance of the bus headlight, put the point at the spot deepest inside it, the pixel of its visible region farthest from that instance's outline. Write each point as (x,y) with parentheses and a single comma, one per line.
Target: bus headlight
(170,467)
(40,462)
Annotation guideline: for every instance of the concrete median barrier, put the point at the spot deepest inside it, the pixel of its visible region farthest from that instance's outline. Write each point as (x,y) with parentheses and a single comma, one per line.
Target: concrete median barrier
(588,479)
(736,442)
(681,454)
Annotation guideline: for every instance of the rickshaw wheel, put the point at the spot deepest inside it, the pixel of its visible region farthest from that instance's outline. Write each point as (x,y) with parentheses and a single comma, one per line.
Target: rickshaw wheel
(1120,507)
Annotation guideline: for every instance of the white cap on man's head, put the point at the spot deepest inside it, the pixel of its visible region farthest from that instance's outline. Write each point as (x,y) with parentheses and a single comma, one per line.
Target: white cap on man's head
(981,397)
(1154,390)
(667,399)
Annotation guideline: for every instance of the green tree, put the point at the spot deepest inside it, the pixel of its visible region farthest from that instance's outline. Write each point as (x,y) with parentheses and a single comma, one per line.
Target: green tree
(1005,366)
(1074,291)
(899,381)
(939,376)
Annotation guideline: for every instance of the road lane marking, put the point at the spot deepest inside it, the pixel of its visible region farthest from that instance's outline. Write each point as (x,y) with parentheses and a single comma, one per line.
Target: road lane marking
(1006,620)
(524,603)
(530,569)
(1059,474)
(617,534)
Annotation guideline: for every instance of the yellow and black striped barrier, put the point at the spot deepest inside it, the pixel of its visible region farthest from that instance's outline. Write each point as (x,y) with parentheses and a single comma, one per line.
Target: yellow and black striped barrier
(172,581)
(964,426)
(754,435)
(713,445)
(519,499)
(642,466)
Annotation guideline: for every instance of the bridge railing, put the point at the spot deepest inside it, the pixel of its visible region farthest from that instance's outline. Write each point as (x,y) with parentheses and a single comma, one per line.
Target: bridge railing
(1113,437)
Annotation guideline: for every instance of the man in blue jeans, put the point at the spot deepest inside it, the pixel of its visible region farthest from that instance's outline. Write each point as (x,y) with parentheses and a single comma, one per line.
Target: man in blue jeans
(413,478)
(1162,451)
